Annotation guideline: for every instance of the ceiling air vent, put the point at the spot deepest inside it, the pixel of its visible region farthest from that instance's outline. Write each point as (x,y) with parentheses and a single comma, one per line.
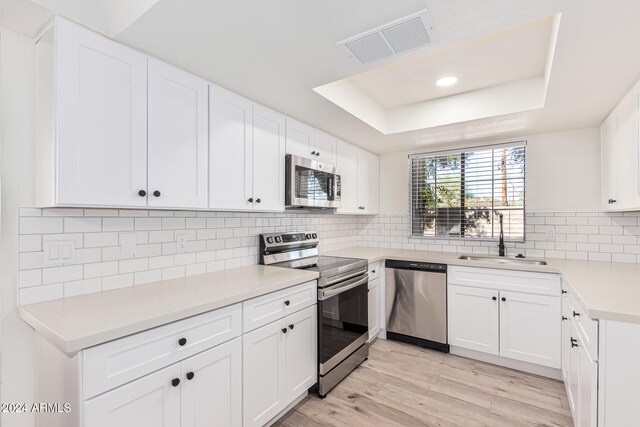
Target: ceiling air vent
(388,40)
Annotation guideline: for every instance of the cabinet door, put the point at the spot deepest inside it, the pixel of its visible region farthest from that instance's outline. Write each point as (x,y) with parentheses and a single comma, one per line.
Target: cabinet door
(530,328)
(178,164)
(473,318)
(150,401)
(299,139)
(368,183)
(264,388)
(573,384)
(325,147)
(212,387)
(627,153)
(301,352)
(374,308)
(268,159)
(101,116)
(588,389)
(609,135)
(347,164)
(230,150)
(565,346)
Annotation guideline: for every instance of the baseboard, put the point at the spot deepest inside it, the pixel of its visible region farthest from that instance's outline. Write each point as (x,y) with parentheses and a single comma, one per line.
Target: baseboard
(288,408)
(518,365)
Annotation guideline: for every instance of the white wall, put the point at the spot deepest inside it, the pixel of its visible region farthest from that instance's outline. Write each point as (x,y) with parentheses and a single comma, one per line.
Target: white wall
(563,173)
(16,157)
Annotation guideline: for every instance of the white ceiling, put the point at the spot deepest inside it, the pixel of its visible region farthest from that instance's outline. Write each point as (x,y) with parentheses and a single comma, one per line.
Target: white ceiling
(277,51)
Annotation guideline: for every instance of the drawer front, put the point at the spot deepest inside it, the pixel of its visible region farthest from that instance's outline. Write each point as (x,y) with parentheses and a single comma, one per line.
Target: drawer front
(265,309)
(587,328)
(505,280)
(109,365)
(374,271)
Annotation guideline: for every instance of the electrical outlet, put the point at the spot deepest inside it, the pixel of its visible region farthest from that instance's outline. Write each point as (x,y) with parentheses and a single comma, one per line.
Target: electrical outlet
(181,243)
(551,234)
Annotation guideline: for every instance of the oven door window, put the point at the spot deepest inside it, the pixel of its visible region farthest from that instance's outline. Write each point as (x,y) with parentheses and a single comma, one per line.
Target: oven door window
(312,184)
(344,319)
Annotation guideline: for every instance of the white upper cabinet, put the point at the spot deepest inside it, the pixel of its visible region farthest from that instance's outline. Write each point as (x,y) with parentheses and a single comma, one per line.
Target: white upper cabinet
(306,141)
(246,154)
(230,153)
(91,119)
(620,138)
(359,180)
(178,164)
(268,159)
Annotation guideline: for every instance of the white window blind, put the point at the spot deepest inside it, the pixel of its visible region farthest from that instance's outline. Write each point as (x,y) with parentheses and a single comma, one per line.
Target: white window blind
(462,193)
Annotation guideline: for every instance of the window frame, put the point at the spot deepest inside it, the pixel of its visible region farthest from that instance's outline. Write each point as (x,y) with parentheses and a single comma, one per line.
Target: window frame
(460,151)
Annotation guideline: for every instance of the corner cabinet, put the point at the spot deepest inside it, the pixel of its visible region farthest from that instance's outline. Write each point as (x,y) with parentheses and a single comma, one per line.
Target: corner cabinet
(306,141)
(620,146)
(514,315)
(246,143)
(115,128)
(359,180)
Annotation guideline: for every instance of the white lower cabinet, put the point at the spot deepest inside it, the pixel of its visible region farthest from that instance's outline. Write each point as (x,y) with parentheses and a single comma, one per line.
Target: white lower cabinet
(203,390)
(486,315)
(280,364)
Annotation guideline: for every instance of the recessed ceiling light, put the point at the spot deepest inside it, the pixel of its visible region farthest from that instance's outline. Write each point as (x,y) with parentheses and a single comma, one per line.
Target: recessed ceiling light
(446,81)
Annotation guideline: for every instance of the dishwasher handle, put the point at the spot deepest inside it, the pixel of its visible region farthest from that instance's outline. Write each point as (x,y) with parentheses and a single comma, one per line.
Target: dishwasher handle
(416,266)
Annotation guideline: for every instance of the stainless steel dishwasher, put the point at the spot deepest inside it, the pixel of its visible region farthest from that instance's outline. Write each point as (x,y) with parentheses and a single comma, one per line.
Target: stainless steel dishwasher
(416,303)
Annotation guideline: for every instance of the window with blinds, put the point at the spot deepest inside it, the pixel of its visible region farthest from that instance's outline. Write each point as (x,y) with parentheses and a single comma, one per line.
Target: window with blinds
(463,193)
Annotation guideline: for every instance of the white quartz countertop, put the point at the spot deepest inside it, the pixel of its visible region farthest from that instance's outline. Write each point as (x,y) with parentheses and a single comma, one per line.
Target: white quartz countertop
(73,324)
(609,291)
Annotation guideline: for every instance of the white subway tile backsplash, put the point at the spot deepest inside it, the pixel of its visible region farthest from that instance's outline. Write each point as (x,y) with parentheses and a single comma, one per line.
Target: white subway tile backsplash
(148,223)
(81,287)
(133,265)
(40,225)
(98,240)
(82,224)
(66,273)
(116,282)
(37,294)
(100,269)
(117,224)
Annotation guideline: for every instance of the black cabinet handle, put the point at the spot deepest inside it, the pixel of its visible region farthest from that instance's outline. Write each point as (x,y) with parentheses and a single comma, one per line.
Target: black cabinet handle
(156,193)
(564,292)
(175,382)
(503,299)
(258,200)
(142,193)
(494,298)
(287,302)
(564,318)
(284,330)
(575,313)
(574,342)
(291,326)
(190,375)
(182,342)
(612,201)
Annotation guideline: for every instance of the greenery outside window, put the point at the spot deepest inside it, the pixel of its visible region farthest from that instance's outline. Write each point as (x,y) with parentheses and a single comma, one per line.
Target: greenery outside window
(462,193)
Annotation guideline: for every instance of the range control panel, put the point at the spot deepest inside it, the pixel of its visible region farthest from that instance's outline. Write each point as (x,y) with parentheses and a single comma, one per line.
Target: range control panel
(272,240)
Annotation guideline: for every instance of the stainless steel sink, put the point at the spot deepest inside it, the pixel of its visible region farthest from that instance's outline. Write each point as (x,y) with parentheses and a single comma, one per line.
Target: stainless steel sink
(503,260)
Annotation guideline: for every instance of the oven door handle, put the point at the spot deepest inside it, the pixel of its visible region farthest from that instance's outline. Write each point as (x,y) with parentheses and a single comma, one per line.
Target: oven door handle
(336,290)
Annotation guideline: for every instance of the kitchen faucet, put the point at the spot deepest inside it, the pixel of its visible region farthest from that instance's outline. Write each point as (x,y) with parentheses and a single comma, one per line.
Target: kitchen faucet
(501,249)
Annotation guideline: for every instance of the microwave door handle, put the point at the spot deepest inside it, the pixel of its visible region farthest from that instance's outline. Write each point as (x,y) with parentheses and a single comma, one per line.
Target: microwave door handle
(325,294)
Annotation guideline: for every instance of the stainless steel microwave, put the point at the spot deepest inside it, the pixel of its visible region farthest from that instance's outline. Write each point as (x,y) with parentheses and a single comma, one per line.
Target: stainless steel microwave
(310,183)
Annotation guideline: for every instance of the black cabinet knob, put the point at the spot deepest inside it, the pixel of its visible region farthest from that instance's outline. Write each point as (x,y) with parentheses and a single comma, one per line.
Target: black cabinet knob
(373,271)
(182,341)
(494,298)
(142,193)
(287,302)
(190,375)
(575,313)
(156,193)
(175,382)
(313,153)
(284,330)
(318,153)
(258,200)
(503,299)
(250,200)
(291,326)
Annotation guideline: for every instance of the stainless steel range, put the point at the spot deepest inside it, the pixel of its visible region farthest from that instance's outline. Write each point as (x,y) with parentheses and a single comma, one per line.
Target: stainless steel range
(343,326)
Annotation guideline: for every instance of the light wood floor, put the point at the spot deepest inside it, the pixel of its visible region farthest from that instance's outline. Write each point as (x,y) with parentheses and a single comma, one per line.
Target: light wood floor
(403,385)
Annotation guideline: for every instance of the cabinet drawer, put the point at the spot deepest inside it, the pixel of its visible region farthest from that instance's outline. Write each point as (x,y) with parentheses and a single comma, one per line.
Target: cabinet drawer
(587,328)
(374,270)
(267,308)
(109,365)
(505,280)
